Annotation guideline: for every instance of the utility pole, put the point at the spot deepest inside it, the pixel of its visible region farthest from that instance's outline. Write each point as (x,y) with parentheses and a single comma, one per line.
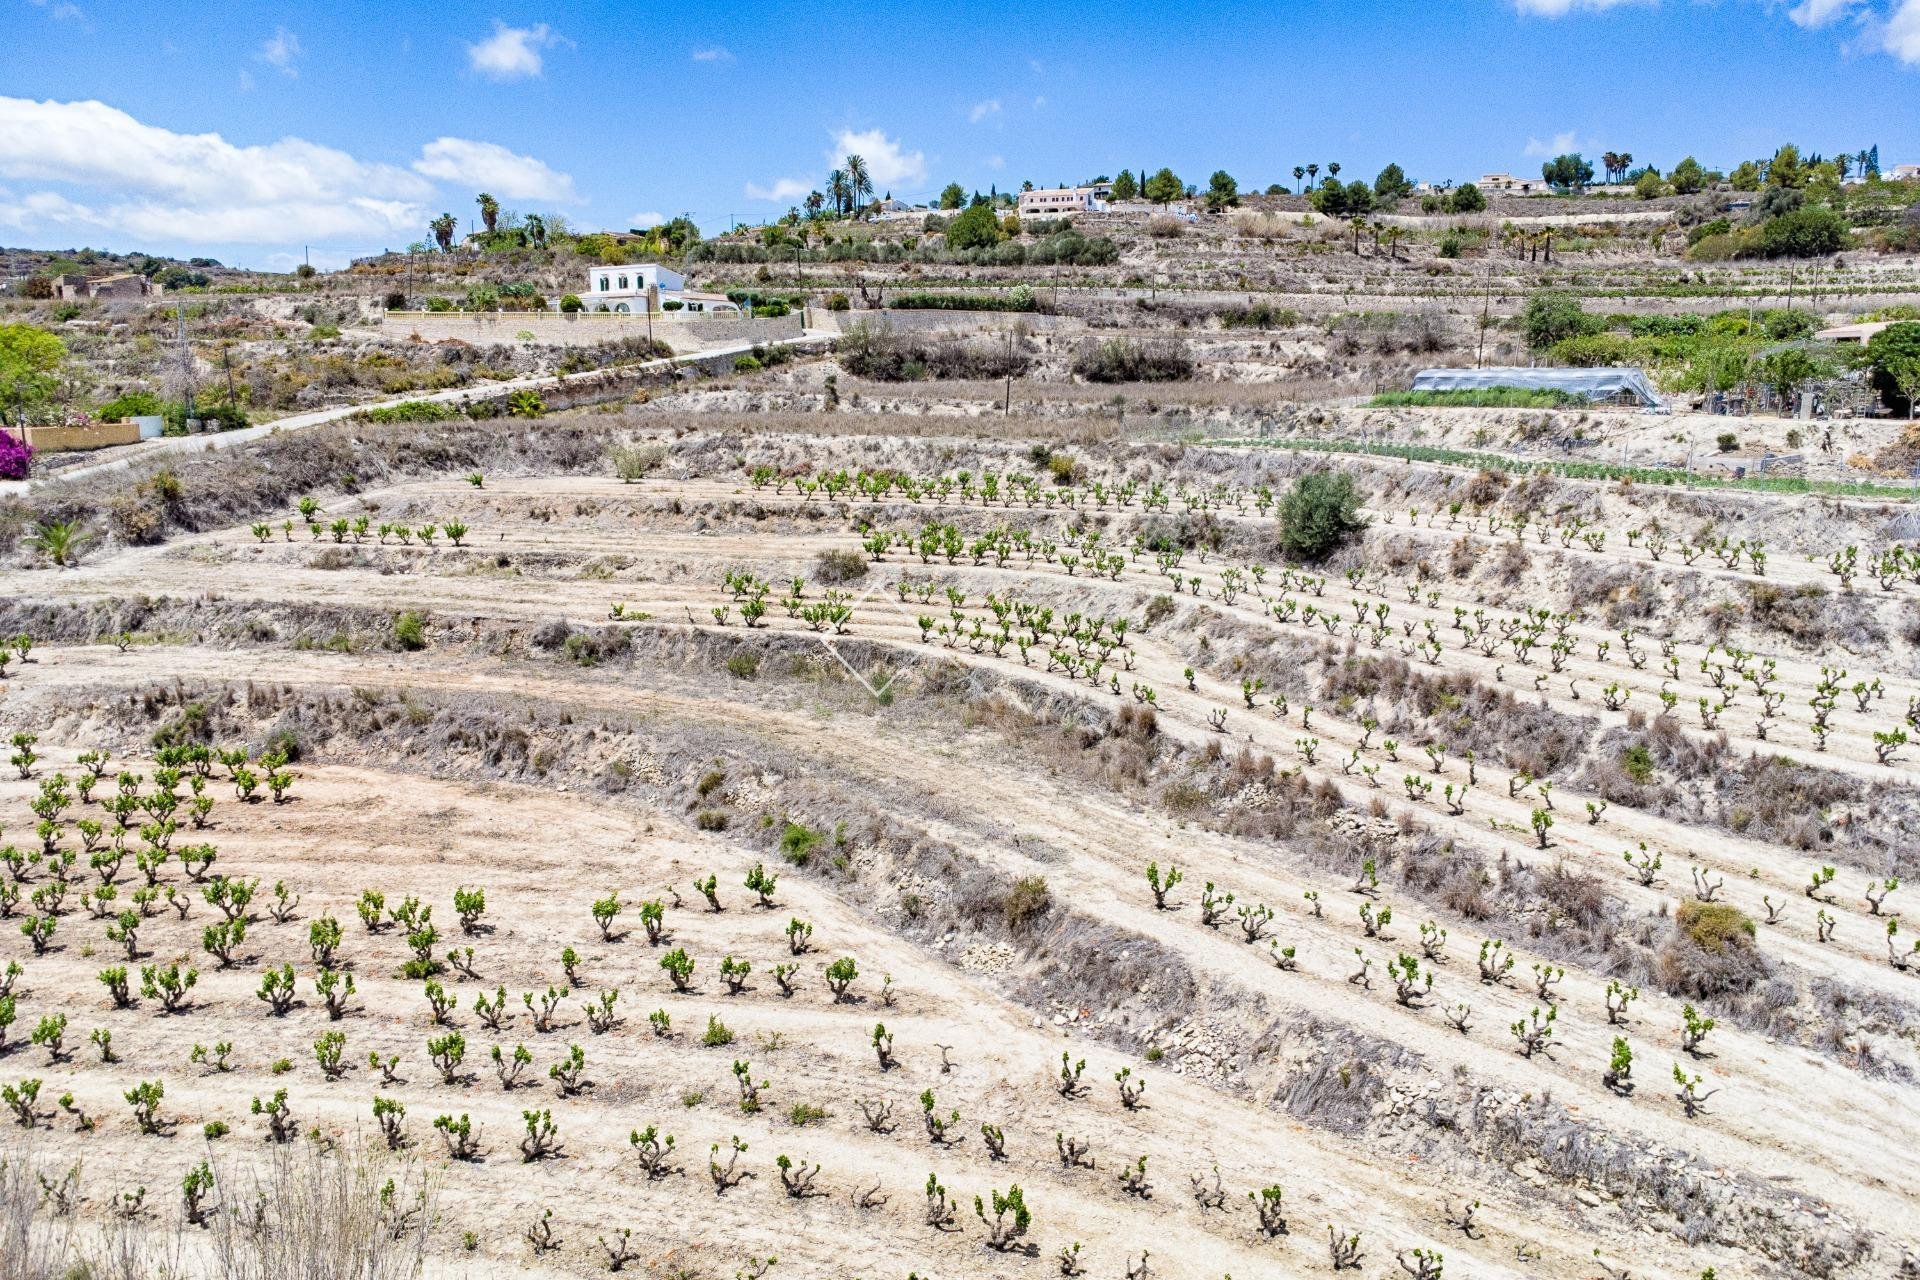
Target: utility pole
(186,367)
(1006,409)
(1486,306)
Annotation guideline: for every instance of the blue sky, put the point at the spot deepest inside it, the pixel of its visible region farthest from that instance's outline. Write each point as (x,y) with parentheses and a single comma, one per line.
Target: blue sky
(250,131)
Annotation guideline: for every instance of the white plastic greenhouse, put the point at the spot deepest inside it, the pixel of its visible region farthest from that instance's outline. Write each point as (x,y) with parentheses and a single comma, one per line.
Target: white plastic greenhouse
(1594,384)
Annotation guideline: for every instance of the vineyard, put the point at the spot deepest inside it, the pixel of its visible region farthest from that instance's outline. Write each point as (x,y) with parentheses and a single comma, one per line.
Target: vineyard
(781,854)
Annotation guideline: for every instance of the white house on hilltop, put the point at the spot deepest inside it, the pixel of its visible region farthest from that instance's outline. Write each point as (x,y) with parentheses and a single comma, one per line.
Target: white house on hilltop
(644,287)
(1058,200)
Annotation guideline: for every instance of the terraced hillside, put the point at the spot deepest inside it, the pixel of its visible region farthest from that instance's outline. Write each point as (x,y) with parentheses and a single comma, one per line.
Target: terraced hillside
(853,829)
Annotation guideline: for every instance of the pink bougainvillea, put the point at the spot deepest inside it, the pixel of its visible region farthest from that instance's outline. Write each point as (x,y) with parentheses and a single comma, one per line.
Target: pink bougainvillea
(14,456)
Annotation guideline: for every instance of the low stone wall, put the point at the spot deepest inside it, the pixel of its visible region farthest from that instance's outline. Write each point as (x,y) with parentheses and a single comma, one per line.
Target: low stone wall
(941,320)
(99,435)
(586,328)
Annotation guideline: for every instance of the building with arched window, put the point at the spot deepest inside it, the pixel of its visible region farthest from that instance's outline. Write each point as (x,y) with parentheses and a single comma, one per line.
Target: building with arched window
(642,287)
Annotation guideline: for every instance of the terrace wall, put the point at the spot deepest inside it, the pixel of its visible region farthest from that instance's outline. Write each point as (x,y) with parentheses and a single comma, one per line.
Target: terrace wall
(581,329)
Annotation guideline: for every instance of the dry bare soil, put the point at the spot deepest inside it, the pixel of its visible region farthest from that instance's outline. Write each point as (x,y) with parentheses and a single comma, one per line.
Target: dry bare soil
(1438,857)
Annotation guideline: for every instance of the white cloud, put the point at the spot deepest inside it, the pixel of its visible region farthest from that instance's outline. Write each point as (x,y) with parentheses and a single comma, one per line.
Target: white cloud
(488,166)
(641,221)
(712,53)
(282,52)
(886,162)
(1561,8)
(246,80)
(1901,35)
(1892,27)
(58,8)
(1558,145)
(981,110)
(511,53)
(1819,13)
(781,191)
(147,221)
(996,162)
(152,184)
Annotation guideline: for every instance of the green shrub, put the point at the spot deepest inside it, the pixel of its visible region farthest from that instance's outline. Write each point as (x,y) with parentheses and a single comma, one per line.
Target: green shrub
(136,404)
(633,461)
(1318,514)
(1128,360)
(1259,315)
(413,411)
(1552,317)
(797,843)
(745,364)
(1637,761)
(1027,901)
(1019,298)
(837,565)
(1714,926)
(410,631)
(974,228)
(1813,231)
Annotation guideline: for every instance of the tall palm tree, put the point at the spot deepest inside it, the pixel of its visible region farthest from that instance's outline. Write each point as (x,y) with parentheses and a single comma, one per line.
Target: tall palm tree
(1333,169)
(838,190)
(1626,163)
(1393,236)
(859,181)
(1359,223)
(443,228)
(537,230)
(489,211)
(815,201)
(1313,172)
(1298,173)
(1611,162)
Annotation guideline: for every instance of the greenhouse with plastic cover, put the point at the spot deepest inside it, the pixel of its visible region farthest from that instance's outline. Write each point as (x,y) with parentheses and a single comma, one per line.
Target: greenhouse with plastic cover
(1617,386)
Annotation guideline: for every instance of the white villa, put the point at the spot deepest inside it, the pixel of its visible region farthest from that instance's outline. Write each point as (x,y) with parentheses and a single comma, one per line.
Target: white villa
(1058,200)
(645,287)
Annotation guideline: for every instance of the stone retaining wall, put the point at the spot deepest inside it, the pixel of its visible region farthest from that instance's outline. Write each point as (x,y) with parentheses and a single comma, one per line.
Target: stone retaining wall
(586,328)
(99,435)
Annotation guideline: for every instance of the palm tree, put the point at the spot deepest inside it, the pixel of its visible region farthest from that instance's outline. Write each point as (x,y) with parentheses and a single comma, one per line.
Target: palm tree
(1298,173)
(815,202)
(859,181)
(443,228)
(838,190)
(1626,163)
(1313,172)
(1359,223)
(1333,169)
(537,230)
(1611,161)
(489,211)
(1393,236)
(60,540)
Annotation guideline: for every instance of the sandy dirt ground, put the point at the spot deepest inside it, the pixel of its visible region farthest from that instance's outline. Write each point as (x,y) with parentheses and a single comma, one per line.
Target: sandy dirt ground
(1797,1165)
